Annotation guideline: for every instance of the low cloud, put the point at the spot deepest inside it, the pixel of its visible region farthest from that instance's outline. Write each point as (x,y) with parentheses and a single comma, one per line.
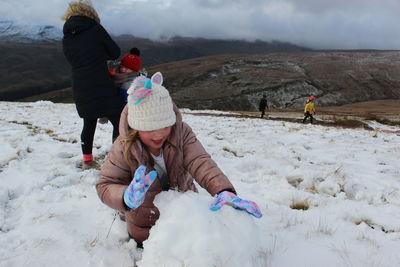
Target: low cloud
(341,24)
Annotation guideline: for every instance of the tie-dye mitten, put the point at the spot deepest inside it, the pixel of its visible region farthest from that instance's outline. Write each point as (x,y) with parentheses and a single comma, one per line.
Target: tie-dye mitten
(136,191)
(226,197)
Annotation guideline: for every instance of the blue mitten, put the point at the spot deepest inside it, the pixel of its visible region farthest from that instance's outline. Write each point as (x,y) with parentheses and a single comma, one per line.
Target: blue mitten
(226,197)
(136,191)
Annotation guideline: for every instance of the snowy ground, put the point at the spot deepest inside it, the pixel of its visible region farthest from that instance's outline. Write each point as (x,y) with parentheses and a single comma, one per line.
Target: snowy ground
(329,197)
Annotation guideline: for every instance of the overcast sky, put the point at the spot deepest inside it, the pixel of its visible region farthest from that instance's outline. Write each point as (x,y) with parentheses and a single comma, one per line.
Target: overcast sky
(323,24)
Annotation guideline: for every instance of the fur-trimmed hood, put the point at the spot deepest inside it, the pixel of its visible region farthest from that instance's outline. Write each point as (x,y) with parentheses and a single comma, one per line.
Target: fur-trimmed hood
(81,9)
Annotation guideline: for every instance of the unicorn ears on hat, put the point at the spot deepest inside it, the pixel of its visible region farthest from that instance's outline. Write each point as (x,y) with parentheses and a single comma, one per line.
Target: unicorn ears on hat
(150,106)
(157,78)
(142,87)
(142,82)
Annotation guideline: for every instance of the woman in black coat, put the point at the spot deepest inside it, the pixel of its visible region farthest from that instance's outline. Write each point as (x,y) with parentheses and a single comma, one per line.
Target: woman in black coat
(87,47)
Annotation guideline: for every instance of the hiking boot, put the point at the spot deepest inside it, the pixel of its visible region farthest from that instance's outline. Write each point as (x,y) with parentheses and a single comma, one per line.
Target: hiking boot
(88,165)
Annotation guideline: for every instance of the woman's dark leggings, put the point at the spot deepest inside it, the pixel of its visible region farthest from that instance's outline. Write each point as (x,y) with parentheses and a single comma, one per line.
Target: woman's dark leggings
(89,128)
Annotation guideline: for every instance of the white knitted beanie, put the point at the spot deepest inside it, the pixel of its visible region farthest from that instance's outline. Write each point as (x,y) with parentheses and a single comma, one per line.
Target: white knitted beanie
(149,104)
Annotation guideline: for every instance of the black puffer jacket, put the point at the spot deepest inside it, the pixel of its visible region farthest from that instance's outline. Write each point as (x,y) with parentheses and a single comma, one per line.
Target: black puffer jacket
(87,47)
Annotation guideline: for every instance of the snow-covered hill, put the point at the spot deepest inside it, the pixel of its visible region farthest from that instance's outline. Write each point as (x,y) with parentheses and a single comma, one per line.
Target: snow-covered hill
(329,197)
(12,31)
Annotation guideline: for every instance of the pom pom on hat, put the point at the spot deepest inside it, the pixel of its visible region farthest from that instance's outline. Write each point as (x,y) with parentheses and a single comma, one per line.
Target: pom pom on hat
(312,98)
(135,51)
(149,104)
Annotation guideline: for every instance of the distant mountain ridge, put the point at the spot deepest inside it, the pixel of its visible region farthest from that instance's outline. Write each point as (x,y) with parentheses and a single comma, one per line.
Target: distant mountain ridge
(11,31)
(33,63)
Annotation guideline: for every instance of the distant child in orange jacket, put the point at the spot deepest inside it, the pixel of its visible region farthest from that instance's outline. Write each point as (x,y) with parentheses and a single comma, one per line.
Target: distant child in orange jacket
(309,109)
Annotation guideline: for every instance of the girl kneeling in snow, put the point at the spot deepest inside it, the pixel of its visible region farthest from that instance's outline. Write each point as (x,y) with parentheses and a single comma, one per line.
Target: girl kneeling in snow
(153,137)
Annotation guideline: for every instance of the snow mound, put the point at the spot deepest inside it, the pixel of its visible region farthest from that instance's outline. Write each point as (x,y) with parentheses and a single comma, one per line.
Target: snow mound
(204,237)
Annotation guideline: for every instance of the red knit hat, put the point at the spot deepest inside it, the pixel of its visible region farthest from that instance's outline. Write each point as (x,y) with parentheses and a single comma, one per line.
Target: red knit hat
(312,98)
(131,61)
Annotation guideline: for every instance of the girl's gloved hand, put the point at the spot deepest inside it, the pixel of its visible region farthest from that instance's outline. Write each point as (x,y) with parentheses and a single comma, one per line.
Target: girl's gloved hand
(136,191)
(226,197)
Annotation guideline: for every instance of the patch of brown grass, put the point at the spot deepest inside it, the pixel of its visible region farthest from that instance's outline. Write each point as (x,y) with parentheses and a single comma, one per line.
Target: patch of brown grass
(303,204)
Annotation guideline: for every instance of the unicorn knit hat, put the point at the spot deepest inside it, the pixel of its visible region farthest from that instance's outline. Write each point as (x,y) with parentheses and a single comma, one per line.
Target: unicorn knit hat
(149,104)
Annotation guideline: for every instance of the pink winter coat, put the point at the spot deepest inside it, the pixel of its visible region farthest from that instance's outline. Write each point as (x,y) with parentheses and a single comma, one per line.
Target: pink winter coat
(185,160)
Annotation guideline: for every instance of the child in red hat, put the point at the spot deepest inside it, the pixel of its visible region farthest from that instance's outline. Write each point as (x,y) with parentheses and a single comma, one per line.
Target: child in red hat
(131,61)
(128,69)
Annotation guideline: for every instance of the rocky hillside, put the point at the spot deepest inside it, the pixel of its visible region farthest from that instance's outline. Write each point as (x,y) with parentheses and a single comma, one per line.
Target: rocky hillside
(237,82)
(30,69)
(230,81)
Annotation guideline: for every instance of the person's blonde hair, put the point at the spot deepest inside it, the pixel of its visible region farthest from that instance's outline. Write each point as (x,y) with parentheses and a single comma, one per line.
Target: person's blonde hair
(81,9)
(132,136)
(129,140)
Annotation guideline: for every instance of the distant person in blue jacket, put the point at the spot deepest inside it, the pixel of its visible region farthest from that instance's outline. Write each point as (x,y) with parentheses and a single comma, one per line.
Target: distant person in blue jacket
(87,46)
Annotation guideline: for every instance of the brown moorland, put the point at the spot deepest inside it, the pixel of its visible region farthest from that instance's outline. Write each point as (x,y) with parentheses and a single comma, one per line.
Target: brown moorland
(346,116)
